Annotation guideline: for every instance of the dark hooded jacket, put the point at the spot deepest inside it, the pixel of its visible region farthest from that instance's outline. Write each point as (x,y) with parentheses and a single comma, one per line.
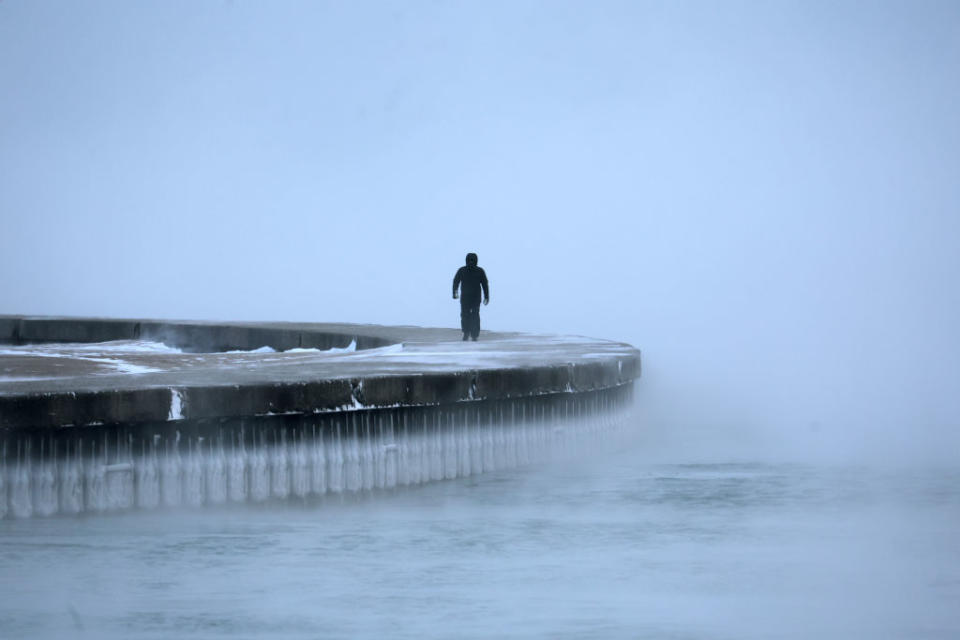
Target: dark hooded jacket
(472,280)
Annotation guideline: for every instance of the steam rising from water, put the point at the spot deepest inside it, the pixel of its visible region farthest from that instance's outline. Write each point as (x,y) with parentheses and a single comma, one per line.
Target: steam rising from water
(614,545)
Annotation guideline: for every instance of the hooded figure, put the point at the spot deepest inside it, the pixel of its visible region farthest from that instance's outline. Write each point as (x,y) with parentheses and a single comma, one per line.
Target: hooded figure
(471,279)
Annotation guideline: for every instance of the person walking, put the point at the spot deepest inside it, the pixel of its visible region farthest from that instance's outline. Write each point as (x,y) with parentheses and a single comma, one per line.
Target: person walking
(471,279)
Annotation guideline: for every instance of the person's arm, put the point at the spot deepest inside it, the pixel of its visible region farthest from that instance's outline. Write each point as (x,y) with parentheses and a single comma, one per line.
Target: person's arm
(456,281)
(486,286)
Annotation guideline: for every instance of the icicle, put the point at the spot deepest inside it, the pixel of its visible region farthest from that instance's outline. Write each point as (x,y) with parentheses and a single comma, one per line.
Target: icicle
(21,504)
(94,481)
(148,482)
(44,489)
(318,478)
(216,473)
(391,449)
(4,505)
(193,475)
(300,471)
(335,480)
(170,488)
(237,469)
(259,472)
(367,461)
(71,480)
(118,477)
(475,431)
(280,467)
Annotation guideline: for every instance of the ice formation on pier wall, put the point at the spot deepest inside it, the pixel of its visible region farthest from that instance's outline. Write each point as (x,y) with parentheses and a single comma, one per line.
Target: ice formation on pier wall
(255,459)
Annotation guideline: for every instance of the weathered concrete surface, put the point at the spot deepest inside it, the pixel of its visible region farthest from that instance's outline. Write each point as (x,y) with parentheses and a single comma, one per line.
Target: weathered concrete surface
(45,383)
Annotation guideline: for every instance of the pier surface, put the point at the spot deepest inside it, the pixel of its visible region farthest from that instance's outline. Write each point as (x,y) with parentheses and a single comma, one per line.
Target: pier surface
(60,372)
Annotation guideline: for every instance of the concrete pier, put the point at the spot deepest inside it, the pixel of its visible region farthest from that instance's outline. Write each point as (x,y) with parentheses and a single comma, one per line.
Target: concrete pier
(105,414)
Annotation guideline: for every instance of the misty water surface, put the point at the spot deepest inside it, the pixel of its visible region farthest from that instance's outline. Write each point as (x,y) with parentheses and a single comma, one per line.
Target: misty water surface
(622,545)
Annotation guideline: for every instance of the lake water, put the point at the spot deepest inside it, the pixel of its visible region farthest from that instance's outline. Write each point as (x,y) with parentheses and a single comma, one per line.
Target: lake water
(638,542)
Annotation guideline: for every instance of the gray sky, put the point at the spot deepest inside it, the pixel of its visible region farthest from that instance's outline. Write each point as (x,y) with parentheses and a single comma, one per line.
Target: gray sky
(762,196)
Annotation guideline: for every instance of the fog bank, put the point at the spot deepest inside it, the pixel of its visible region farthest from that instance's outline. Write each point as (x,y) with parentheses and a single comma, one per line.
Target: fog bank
(763,198)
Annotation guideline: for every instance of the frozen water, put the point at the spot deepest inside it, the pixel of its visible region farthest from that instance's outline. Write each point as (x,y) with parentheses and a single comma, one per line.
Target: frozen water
(312,456)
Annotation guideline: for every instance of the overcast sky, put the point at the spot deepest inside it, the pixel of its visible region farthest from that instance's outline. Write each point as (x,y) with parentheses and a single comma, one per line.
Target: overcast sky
(762,196)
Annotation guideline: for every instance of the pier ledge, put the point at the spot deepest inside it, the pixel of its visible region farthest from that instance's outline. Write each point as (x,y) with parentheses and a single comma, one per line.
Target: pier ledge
(221,370)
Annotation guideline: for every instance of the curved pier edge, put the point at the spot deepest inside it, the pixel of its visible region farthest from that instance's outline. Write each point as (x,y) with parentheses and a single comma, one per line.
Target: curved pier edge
(85,431)
(435,368)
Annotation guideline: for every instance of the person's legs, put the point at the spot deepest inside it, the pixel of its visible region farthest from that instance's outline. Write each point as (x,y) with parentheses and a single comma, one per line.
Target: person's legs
(475,325)
(470,321)
(465,320)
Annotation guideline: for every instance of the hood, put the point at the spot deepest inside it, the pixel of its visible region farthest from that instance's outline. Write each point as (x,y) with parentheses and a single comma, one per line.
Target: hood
(471,259)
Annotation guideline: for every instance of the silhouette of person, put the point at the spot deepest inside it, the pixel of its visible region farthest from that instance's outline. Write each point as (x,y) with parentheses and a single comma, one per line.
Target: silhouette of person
(471,279)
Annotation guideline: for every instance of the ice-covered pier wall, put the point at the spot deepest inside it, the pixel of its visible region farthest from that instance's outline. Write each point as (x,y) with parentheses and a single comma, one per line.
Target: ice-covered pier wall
(232,412)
